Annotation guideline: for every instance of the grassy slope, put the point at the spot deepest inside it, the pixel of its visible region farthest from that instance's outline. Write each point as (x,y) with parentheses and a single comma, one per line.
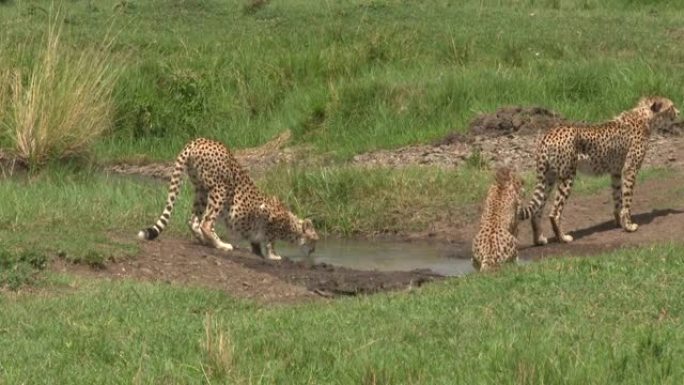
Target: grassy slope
(605,320)
(353,76)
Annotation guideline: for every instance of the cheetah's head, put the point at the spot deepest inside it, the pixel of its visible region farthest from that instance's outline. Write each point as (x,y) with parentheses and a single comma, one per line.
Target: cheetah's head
(507,178)
(659,109)
(308,237)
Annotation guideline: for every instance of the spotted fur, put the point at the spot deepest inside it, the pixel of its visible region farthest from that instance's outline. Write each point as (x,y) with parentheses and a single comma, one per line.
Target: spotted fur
(496,240)
(223,188)
(616,147)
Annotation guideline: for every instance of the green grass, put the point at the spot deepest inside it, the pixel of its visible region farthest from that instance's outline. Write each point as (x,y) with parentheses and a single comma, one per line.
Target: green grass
(356,201)
(611,319)
(358,75)
(19,268)
(82,216)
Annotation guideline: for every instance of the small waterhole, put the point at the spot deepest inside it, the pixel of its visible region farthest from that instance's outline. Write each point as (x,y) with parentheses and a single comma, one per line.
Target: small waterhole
(385,255)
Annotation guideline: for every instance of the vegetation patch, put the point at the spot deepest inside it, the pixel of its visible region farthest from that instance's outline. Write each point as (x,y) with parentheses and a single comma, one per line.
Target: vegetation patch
(19,268)
(58,104)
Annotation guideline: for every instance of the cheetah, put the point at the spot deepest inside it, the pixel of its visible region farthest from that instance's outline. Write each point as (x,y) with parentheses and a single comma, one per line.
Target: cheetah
(616,147)
(223,188)
(496,240)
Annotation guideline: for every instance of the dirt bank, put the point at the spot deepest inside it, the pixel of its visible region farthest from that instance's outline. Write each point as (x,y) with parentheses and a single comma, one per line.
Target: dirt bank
(244,275)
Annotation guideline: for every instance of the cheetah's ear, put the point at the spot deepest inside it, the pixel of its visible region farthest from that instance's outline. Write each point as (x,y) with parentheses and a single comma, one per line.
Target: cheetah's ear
(656,106)
(307,224)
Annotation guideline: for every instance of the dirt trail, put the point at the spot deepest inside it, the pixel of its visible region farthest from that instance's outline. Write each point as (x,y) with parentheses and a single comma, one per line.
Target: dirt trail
(658,209)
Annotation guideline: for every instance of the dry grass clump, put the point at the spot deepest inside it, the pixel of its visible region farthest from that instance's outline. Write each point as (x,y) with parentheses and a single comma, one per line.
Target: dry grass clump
(59,105)
(252,6)
(217,349)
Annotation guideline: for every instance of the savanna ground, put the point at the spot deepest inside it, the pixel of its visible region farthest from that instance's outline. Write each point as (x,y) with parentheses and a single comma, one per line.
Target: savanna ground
(378,97)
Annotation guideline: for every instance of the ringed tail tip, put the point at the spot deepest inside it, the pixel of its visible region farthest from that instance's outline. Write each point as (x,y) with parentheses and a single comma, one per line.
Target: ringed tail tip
(148,234)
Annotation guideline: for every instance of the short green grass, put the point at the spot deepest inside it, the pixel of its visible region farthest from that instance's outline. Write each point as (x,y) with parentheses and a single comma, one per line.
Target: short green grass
(80,215)
(610,319)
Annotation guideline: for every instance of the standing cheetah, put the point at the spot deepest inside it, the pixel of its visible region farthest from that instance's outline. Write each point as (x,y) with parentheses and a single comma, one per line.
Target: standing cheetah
(224,188)
(616,147)
(496,240)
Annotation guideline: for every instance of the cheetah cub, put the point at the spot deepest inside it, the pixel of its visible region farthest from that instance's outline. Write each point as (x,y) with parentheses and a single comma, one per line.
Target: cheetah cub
(496,240)
(616,147)
(223,188)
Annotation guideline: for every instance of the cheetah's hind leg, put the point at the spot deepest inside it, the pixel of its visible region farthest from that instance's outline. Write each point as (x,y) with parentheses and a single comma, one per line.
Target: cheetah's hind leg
(198,207)
(562,193)
(215,201)
(270,252)
(194,224)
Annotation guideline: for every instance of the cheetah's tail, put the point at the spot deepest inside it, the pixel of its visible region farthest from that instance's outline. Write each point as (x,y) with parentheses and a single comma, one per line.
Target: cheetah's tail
(526,212)
(539,194)
(174,189)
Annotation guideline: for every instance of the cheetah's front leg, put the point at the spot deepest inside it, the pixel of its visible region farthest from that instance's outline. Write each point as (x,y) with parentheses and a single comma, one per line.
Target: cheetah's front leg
(616,181)
(625,218)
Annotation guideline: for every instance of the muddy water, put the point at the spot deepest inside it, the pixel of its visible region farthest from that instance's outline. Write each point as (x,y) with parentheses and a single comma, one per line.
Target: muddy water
(385,255)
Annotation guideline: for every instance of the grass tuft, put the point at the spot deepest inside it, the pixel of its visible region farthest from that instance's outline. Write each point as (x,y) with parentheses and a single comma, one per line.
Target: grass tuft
(20,268)
(58,106)
(217,349)
(252,6)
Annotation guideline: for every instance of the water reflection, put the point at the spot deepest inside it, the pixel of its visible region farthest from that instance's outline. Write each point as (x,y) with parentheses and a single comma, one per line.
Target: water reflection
(385,255)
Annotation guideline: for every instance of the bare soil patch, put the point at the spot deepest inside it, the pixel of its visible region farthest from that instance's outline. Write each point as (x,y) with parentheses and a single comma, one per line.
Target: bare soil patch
(515,119)
(244,275)
(658,209)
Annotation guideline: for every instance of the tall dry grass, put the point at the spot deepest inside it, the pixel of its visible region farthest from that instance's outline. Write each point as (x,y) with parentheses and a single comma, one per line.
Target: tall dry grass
(217,349)
(58,106)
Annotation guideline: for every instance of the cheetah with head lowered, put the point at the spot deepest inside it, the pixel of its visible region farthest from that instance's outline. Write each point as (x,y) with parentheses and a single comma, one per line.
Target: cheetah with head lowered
(616,147)
(224,188)
(496,240)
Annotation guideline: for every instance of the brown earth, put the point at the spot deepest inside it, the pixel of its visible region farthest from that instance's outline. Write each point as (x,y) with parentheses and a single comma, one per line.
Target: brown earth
(244,275)
(507,136)
(658,209)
